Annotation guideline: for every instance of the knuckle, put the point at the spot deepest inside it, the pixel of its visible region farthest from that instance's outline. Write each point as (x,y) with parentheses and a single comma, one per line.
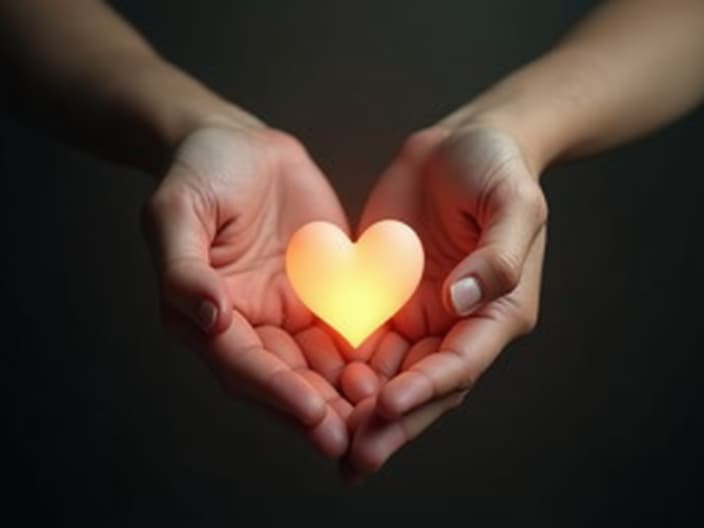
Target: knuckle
(284,143)
(526,195)
(506,270)
(165,202)
(536,204)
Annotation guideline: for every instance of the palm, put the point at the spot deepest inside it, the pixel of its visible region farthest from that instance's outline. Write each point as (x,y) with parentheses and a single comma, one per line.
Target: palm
(457,193)
(259,213)
(238,197)
(447,212)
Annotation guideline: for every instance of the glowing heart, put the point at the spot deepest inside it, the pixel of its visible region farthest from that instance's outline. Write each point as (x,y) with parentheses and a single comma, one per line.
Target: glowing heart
(354,287)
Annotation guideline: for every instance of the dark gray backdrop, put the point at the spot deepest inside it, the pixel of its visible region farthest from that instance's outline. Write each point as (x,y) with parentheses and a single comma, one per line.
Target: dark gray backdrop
(594,420)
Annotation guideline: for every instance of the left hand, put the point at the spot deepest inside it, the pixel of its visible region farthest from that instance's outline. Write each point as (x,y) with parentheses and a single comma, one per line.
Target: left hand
(218,225)
(474,201)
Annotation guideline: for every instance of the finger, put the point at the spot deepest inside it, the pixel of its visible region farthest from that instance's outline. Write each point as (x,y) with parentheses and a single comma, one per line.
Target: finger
(358,381)
(421,349)
(376,439)
(330,435)
(361,413)
(340,405)
(317,408)
(282,345)
(245,365)
(517,214)
(389,355)
(321,353)
(470,346)
(467,350)
(179,241)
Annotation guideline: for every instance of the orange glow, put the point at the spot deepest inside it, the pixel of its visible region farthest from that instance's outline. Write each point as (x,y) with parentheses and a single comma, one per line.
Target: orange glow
(354,287)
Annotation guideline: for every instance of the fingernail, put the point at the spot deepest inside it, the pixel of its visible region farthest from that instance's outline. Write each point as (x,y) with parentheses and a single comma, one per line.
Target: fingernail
(465,295)
(207,315)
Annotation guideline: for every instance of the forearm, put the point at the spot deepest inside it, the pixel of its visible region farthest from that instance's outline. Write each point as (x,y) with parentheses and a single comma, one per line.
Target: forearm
(86,76)
(630,67)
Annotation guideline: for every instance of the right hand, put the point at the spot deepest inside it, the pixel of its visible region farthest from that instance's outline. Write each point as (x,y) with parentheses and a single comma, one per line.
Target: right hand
(218,226)
(475,202)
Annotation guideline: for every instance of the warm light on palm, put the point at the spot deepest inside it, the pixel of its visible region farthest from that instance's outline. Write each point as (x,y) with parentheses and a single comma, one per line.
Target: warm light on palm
(221,222)
(250,245)
(446,198)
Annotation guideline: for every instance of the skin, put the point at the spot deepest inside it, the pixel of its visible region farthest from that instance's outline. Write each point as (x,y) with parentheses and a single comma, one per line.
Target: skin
(231,191)
(218,226)
(455,191)
(469,186)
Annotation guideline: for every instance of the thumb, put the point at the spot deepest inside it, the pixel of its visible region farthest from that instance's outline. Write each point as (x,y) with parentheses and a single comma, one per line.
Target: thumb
(494,268)
(180,243)
(198,292)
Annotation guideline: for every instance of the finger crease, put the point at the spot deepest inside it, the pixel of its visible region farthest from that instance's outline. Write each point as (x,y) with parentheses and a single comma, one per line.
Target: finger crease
(428,379)
(468,378)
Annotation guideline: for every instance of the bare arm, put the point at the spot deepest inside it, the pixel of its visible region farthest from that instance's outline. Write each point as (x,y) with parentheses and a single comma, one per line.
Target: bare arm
(628,68)
(81,72)
(86,75)
(469,188)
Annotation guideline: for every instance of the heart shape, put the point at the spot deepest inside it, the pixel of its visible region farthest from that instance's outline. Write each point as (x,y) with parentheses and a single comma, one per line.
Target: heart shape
(354,287)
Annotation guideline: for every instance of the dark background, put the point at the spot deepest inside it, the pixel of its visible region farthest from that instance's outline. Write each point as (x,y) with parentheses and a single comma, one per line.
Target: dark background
(594,420)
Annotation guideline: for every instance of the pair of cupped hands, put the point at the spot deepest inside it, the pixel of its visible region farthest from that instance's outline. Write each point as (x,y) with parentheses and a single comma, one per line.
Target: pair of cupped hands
(218,226)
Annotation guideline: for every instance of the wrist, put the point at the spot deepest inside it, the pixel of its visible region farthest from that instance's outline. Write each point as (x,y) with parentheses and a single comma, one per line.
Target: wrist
(536,147)
(189,107)
(156,107)
(543,109)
